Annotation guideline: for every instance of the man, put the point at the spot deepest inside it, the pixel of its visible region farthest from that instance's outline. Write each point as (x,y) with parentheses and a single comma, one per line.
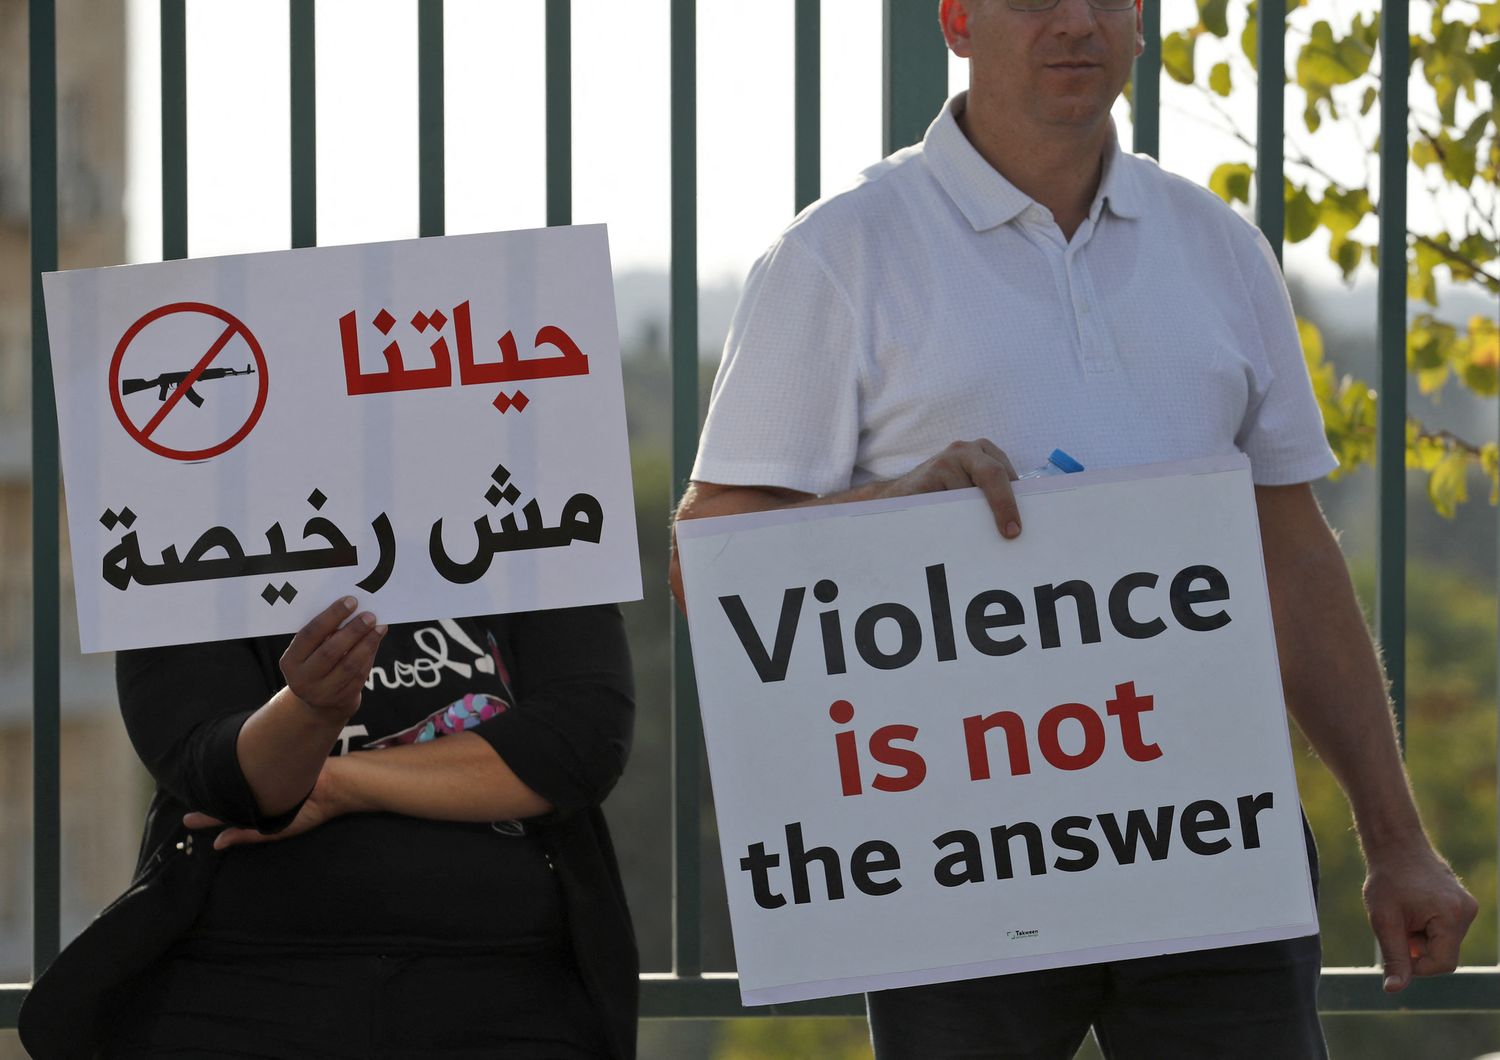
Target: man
(1016,277)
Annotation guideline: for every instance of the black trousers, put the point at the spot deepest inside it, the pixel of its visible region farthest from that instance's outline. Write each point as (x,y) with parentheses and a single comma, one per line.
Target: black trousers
(1256,1002)
(300,1007)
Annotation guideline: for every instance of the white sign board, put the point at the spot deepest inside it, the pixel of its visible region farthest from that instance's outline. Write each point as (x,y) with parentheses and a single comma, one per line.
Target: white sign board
(436,426)
(938,754)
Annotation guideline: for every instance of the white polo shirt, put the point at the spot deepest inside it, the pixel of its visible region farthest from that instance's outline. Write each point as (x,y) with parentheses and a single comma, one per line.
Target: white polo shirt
(934,302)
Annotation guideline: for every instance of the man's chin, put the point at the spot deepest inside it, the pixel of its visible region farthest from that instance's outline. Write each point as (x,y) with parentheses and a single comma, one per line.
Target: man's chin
(1074,114)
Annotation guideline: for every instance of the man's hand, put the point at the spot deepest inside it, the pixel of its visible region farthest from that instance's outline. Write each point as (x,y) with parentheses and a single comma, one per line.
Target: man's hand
(1418,910)
(322,806)
(1336,691)
(326,664)
(960,465)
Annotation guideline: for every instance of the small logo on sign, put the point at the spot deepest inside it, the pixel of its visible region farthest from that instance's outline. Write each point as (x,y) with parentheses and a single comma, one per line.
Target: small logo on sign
(1026,933)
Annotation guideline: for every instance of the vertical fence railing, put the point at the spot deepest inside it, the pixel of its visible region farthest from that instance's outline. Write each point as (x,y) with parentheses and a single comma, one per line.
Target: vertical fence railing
(430,140)
(914,81)
(914,85)
(174,166)
(1270,62)
(807,103)
(687,732)
(302,49)
(1145,87)
(1390,337)
(46,741)
(559,49)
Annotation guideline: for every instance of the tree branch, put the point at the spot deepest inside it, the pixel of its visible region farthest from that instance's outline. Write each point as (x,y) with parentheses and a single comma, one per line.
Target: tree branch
(1300,158)
(1490,279)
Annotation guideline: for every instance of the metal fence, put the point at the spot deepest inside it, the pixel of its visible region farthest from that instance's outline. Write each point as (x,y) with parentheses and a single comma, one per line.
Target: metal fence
(914,87)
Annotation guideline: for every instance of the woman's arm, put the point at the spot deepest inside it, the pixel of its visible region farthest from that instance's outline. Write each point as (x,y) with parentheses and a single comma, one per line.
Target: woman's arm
(214,731)
(455,778)
(283,746)
(569,736)
(560,749)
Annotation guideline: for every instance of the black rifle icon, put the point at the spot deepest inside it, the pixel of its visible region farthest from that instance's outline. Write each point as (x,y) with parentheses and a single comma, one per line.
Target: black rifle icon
(167,380)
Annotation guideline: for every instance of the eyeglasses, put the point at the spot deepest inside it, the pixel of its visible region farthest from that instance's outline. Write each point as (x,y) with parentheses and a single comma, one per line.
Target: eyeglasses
(1048,5)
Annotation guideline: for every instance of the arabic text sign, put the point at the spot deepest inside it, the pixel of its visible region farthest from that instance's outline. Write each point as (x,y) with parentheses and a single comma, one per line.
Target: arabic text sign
(944,755)
(436,426)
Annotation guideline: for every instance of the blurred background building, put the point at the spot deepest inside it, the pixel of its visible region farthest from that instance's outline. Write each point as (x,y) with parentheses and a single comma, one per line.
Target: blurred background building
(102,789)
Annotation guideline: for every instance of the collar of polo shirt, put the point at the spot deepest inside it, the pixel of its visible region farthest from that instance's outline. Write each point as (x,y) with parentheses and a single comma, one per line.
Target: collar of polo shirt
(983,194)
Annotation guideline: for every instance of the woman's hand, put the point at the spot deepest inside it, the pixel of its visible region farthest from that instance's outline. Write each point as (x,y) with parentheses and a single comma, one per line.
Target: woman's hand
(326,664)
(322,806)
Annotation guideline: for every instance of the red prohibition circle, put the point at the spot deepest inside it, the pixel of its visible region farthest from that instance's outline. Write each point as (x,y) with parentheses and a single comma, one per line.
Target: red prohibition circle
(136,432)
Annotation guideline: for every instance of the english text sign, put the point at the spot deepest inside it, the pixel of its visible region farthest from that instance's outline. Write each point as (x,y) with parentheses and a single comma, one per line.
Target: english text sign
(938,754)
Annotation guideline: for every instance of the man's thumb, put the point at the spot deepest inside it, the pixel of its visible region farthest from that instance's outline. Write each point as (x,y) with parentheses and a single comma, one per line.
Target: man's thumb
(1395,953)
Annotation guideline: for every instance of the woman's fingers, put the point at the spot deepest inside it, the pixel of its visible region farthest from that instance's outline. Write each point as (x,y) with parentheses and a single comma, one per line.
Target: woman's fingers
(326,663)
(354,668)
(325,659)
(311,636)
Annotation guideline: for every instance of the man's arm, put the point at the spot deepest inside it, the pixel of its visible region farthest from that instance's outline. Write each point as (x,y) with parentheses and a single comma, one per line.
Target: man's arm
(1336,691)
(980,463)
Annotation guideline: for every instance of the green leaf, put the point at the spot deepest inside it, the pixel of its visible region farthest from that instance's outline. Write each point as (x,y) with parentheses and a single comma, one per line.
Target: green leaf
(1431,380)
(1423,154)
(1301,214)
(1419,279)
(1324,61)
(1489,463)
(1371,95)
(1478,249)
(1458,160)
(1342,211)
(1488,21)
(1177,57)
(1423,451)
(1230,181)
(1346,254)
(1212,14)
(1247,37)
(1448,485)
(1310,116)
(1480,369)
(1312,341)
(1428,342)
(1218,79)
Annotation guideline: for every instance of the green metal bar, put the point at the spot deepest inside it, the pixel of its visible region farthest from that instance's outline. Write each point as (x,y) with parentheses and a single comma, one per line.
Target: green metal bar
(174,170)
(687,730)
(1390,336)
(1342,991)
(430,116)
(717,996)
(1146,86)
(1346,991)
(1358,990)
(807,135)
(559,112)
(11,997)
(304,53)
(915,79)
(46,743)
(1270,131)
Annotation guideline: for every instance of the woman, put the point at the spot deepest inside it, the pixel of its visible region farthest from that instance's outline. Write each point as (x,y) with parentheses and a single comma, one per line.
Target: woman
(405,855)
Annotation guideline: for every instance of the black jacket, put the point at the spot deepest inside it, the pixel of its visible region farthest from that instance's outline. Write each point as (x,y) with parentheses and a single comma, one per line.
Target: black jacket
(567,739)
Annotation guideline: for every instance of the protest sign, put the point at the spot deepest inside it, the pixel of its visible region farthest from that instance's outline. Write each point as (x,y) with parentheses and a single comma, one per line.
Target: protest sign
(435,426)
(937,754)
